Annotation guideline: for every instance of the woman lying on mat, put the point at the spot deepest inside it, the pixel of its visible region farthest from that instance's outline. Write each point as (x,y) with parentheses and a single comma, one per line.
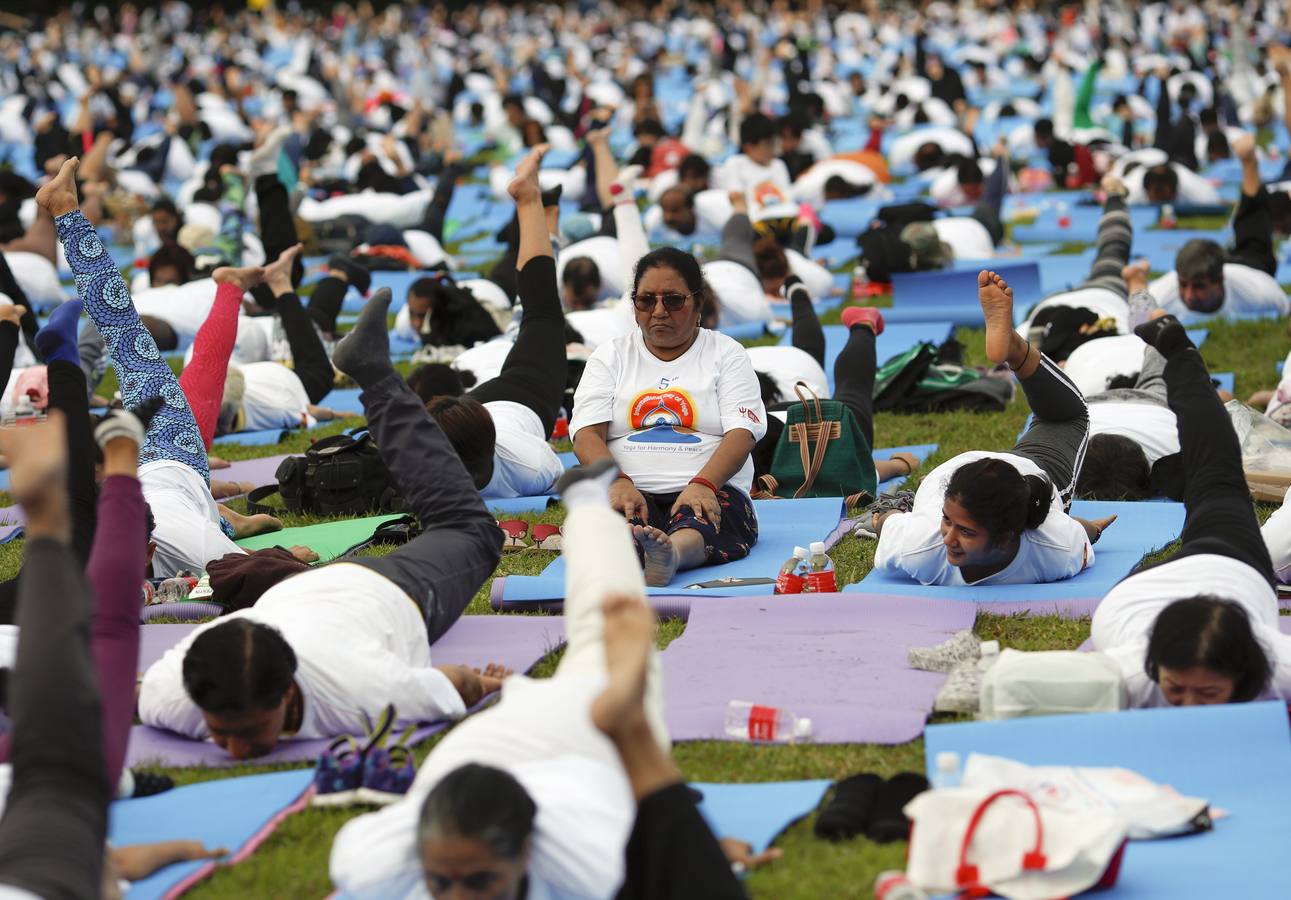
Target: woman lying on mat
(1001,518)
(537,795)
(678,408)
(320,648)
(1202,627)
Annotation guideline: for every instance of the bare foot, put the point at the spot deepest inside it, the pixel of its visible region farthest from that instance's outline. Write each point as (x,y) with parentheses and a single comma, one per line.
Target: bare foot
(1244,147)
(524,187)
(58,196)
(213,462)
(629,635)
(246,526)
(278,273)
(222,490)
(12,313)
(996,297)
(908,458)
(246,277)
(1113,185)
(660,555)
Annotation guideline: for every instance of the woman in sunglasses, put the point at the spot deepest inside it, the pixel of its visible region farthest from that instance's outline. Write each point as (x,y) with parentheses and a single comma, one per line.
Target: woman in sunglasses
(678,408)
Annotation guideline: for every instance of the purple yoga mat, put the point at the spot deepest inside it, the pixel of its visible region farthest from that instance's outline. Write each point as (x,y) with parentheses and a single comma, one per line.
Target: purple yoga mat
(838,659)
(515,641)
(257,471)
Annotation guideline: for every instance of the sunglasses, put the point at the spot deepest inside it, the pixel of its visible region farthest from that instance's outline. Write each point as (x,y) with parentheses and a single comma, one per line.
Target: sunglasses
(672,301)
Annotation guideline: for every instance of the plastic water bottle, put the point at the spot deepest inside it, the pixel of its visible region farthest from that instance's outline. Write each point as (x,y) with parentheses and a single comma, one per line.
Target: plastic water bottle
(23,412)
(893,885)
(947,773)
(1167,219)
(751,722)
(791,580)
(820,571)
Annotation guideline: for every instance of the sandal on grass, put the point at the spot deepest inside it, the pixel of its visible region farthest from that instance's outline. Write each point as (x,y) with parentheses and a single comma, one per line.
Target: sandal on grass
(546,537)
(515,531)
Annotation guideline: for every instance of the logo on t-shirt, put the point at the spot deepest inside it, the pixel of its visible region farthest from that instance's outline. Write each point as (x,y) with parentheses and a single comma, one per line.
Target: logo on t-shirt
(750,415)
(663,417)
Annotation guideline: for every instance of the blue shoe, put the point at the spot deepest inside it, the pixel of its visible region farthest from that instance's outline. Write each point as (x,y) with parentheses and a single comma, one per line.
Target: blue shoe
(339,773)
(388,773)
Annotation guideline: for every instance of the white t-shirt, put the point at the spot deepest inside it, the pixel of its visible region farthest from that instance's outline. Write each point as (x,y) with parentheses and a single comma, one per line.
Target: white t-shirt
(360,643)
(787,366)
(1246,291)
(1105,303)
(810,186)
(1193,189)
(37,276)
(524,465)
(1093,365)
(967,237)
(667,418)
(541,733)
(1151,426)
(184,307)
(911,543)
(274,397)
(1277,537)
(739,293)
(818,280)
(765,185)
(187,532)
(1123,621)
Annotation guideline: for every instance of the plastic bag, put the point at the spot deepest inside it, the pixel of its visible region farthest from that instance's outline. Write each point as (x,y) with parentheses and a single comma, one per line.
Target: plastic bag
(1266,445)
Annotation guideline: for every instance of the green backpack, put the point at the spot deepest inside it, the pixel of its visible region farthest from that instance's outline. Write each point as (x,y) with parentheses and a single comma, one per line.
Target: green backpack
(914,381)
(821,453)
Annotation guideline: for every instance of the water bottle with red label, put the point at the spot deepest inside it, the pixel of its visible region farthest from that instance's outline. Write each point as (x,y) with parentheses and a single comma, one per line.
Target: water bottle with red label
(820,571)
(765,724)
(791,578)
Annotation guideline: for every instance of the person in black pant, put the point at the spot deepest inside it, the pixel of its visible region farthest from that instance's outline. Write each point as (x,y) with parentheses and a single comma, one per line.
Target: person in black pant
(309,356)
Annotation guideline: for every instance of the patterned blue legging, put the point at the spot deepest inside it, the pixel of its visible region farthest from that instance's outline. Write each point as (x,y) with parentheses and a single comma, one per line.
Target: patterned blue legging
(140,368)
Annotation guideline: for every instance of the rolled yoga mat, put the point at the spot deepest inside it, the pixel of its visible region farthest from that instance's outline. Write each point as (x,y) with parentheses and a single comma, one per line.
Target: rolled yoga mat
(1236,756)
(517,642)
(837,659)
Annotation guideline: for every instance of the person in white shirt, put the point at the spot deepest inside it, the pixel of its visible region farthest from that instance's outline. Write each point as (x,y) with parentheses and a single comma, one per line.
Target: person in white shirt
(324,647)
(1207,281)
(1001,518)
(1202,627)
(679,409)
(500,428)
(756,171)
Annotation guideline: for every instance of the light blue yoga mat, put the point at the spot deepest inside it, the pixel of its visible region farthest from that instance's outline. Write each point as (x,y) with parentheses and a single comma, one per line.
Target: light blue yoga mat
(514,505)
(897,337)
(1225,381)
(1236,756)
(234,813)
(783,524)
(921,452)
(1058,273)
(1079,223)
(958,287)
(1139,529)
(744,331)
(758,813)
(343,400)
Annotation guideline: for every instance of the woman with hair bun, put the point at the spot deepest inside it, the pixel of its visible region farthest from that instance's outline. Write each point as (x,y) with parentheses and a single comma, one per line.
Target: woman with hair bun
(1001,518)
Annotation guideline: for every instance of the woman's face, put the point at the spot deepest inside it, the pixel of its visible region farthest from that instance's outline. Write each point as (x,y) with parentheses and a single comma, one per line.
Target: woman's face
(461,868)
(967,542)
(1196,686)
(664,329)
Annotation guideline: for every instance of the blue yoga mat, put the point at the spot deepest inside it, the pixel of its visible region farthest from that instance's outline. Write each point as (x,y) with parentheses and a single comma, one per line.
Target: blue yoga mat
(897,337)
(758,813)
(1139,529)
(514,505)
(264,438)
(344,400)
(1160,247)
(235,813)
(782,309)
(1057,273)
(1236,756)
(921,452)
(782,524)
(1224,380)
(744,331)
(958,287)
(1081,224)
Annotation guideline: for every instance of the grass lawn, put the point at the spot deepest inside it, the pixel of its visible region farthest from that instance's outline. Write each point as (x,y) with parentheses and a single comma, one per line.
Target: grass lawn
(293,862)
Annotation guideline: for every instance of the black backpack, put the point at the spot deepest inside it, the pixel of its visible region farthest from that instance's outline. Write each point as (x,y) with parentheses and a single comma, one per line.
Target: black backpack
(342,475)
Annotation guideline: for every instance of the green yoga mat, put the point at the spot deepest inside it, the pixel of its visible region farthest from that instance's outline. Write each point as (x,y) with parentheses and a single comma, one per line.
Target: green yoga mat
(329,540)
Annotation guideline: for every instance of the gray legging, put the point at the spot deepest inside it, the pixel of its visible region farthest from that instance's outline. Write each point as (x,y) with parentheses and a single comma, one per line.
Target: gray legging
(1115,233)
(1059,431)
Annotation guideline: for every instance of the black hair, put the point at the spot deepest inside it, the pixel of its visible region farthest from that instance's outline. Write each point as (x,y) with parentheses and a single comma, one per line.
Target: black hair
(1115,468)
(839,188)
(436,380)
(1208,117)
(1187,94)
(969,171)
(1120,100)
(688,199)
(1000,498)
(581,275)
(1280,210)
(171,254)
(481,803)
(770,391)
(1200,258)
(470,429)
(1217,146)
(166,205)
(1163,177)
(901,102)
(694,166)
(648,127)
(1007,111)
(513,100)
(223,155)
(1214,633)
(929,156)
(679,261)
(756,129)
(794,123)
(238,665)
(1043,129)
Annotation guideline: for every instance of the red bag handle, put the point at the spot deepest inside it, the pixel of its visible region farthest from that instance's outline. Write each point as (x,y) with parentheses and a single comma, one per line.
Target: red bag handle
(966,876)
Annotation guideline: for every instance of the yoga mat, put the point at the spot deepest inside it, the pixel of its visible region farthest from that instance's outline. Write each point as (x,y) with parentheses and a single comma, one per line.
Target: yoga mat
(518,642)
(519,504)
(264,438)
(1139,529)
(744,331)
(837,659)
(344,400)
(958,287)
(896,338)
(1236,756)
(1057,273)
(258,471)
(1080,223)
(1225,381)
(758,813)
(783,524)
(328,539)
(921,452)
(155,640)
(235,813)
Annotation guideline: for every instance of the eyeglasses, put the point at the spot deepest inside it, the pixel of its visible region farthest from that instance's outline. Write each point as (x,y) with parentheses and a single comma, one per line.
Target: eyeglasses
(672,301)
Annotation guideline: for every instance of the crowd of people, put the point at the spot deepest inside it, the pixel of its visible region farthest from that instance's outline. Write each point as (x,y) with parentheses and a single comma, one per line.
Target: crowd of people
(651,186)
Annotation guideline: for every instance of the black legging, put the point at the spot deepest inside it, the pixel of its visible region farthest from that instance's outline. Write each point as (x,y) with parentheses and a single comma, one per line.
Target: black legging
(277,233)
(309,356)
(68,394)
(437,209)
(535,371)
(853,370)
(1219,515)
(10,287)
